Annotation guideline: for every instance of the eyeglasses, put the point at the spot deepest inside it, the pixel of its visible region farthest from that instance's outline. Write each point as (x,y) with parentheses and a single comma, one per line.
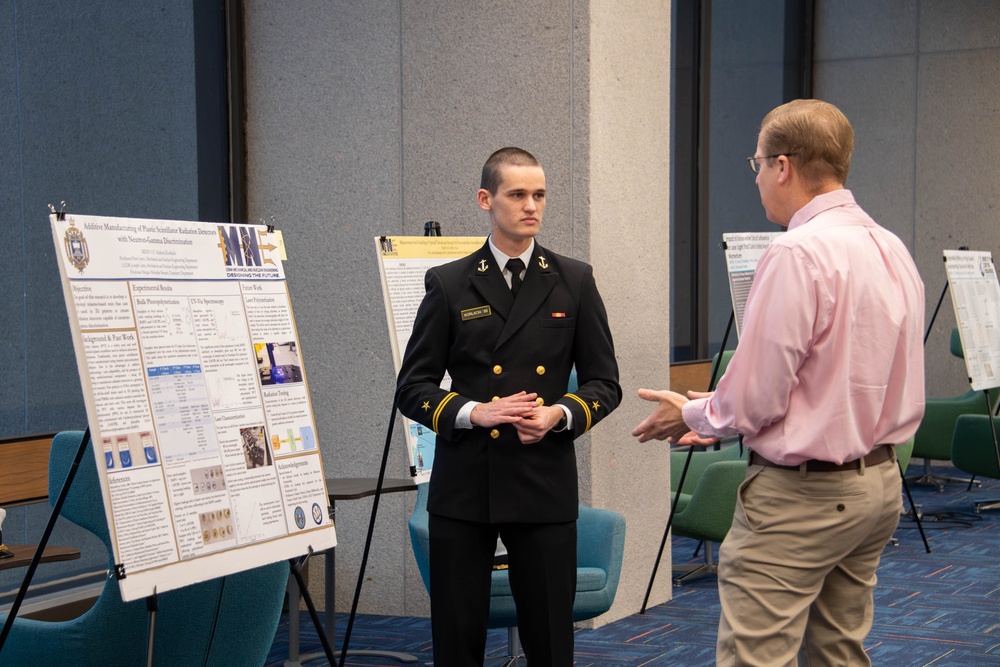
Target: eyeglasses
(755,167)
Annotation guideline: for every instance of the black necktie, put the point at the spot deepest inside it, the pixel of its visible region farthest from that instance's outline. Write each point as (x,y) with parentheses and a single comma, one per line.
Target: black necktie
(515,266)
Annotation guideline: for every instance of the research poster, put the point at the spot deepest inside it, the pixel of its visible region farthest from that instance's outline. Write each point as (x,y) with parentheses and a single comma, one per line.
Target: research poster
(403,261)
(197,397)
(743,252)
(975,294)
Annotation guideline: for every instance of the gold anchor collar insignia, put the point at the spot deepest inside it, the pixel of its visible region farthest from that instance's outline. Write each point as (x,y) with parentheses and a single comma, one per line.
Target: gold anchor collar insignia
(483,266)
(542,263)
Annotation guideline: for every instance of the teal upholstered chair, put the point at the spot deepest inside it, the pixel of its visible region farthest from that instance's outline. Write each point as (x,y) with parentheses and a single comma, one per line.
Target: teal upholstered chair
(722,362)
(707,500)
(222,622)
(933,438)
(723,359)
(973,450)
(600,544)
(700,460)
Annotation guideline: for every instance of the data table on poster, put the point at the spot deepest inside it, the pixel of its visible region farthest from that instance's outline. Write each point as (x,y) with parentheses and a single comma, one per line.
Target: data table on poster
(180,403)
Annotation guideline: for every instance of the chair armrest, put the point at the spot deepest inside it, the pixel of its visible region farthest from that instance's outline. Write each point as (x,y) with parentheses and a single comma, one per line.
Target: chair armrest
(709,513)
(600,542)
(933,437)
(600,537)
(972,447)
(700,460)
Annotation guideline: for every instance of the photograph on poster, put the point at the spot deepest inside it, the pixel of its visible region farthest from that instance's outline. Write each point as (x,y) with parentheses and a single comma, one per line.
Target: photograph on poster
(207,480)
(255,447)
(129,450)
(278,363)
(217,526)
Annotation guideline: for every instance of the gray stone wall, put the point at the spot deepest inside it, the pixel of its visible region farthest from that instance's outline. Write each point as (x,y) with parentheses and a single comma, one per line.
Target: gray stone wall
(920,82)
(374,118)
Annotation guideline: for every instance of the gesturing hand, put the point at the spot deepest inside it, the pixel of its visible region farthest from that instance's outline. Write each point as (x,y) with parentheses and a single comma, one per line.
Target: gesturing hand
(691,438)
(665,422)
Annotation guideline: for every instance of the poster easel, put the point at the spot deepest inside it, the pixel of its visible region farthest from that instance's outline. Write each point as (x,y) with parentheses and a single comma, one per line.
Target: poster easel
(743,252)
(975,296)
(194,385)
(403,261)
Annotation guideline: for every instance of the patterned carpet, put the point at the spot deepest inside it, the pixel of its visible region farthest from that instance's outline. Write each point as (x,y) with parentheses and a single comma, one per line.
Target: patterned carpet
(939,609)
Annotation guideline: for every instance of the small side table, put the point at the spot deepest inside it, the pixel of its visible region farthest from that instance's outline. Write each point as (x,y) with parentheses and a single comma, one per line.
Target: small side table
(342,488)
(23,553)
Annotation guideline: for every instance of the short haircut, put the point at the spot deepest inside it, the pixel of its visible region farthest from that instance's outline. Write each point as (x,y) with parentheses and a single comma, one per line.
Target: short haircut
(816,133)
(510,156)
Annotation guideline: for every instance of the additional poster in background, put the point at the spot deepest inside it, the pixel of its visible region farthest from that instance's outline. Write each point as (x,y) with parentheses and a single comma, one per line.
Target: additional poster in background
(743,252)
(975,294)
(403,261)
(188,354)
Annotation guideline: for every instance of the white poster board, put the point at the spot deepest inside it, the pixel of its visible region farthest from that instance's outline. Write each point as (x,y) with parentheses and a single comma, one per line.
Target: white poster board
(743,252)
(403,261)
(196,396)
(975,294)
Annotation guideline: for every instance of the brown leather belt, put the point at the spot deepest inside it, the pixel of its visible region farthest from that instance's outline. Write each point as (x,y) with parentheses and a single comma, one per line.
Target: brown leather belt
(878,455)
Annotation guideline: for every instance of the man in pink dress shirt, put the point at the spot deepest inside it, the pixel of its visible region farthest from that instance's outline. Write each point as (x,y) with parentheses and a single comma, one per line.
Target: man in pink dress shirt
(827,377)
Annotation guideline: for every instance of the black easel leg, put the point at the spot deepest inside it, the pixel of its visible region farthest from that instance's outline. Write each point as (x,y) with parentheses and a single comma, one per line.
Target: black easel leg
(152,606)
(36,559)
(304,592)
(371,531)
(913,507)
(666,531)
(687,463)
(936,309)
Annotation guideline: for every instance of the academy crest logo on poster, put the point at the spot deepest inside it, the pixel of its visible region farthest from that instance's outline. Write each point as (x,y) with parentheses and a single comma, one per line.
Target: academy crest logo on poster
(75,244)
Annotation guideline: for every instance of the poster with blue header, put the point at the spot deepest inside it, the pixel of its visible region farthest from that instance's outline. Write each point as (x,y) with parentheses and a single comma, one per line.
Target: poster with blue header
(197,397)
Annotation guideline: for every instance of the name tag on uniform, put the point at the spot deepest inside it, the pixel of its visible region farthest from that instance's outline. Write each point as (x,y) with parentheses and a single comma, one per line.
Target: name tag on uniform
(476,313)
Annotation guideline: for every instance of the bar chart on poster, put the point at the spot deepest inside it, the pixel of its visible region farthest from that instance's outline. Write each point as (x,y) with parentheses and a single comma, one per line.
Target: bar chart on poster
(197,397)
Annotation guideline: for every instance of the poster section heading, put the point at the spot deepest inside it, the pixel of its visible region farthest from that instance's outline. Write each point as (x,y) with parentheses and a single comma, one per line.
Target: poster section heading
(199,406)
(403,261)
(102,248)
(975,295)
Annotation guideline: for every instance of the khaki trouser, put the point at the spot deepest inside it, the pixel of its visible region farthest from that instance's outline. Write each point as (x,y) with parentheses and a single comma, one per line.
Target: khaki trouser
(797,568)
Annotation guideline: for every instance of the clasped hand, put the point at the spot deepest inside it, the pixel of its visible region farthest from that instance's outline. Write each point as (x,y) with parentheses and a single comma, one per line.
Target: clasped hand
(531,420)
(666,421)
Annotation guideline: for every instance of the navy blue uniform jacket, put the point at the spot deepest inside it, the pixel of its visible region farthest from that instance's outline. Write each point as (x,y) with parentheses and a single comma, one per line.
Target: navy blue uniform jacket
(470,325)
